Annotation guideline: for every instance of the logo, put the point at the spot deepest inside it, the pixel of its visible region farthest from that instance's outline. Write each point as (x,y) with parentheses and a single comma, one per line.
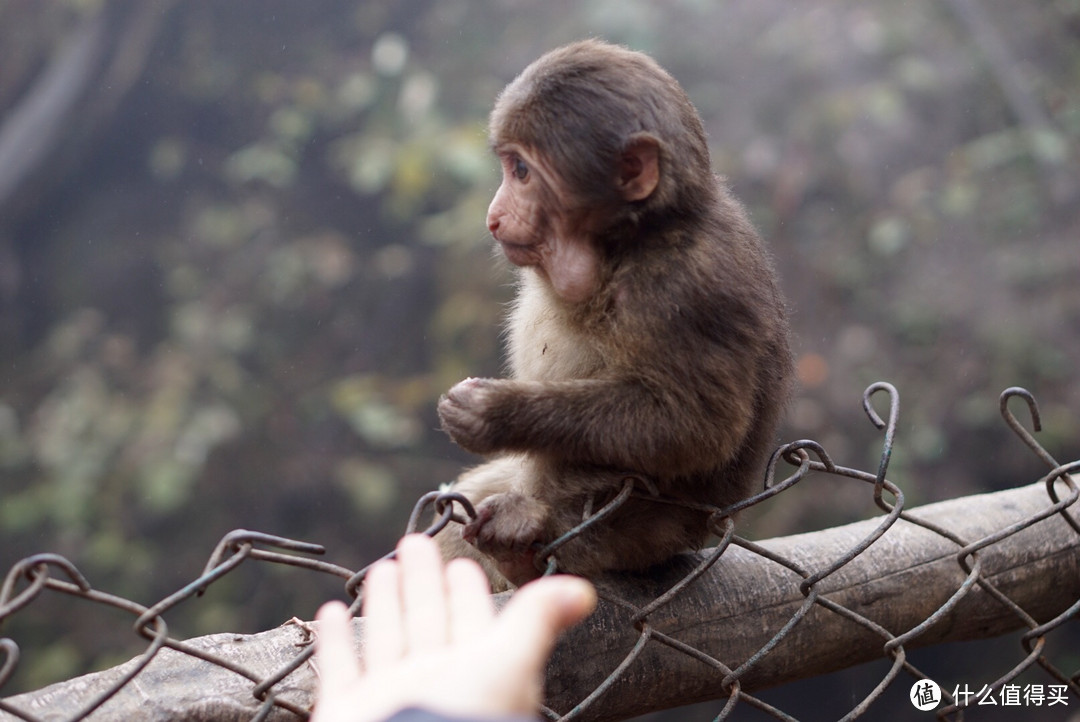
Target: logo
(925,695)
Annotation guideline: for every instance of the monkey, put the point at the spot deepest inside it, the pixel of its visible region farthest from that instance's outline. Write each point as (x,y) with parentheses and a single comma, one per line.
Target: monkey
(648,338)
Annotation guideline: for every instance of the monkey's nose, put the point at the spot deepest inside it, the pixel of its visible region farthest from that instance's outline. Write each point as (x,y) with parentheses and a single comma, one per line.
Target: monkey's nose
(493,224)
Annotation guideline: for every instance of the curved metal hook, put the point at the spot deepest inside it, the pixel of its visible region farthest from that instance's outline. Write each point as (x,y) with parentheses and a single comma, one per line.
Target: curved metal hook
(1017,427)
(11,659)
(443,502)
(36,569)
(29,565)
(889,426)
(794,452)
(444,511)
(242,541)
(1035,446)
(894,405)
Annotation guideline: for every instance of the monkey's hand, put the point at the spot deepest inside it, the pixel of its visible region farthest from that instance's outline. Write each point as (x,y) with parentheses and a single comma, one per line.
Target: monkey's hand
(466,410)
(508,528)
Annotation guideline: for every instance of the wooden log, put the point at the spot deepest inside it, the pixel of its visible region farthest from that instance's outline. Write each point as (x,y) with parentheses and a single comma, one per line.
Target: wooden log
(729,613)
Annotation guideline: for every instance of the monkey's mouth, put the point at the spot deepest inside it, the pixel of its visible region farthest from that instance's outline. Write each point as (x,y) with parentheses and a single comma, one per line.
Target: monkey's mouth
(520,254)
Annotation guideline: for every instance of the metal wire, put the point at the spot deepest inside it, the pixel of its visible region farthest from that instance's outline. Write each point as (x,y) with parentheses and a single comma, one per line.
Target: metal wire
(30,578)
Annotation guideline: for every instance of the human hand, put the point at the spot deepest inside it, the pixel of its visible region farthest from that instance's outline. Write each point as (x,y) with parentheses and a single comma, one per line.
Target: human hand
(433,640)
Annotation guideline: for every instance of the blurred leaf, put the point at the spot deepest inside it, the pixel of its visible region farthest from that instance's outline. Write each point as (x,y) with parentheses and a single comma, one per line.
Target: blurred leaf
(960,198)
(888,236)
(1049,145)
(54,663)
(418,95)
(13,449)
(221,226)
(372,488)
(358,91)
(291,124)
(168,158)
(390,53)
(885,104)
(165,484)
(369,162)
(993,150)
(361,401)
(262,162)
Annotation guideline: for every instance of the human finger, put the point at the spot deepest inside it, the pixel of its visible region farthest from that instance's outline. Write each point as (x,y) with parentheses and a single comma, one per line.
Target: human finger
(338,665)
(423,593)
(383,633)
(535,616)
(469,599)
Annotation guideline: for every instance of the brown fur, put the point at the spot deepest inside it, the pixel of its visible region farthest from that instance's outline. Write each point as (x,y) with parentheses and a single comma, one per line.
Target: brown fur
(672,364)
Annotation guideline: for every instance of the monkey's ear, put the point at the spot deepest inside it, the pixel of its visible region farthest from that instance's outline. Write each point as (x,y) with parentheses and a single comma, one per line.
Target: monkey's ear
(639,167)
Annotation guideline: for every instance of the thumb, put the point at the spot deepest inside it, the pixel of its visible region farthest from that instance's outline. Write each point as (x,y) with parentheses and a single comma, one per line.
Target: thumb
(537,613)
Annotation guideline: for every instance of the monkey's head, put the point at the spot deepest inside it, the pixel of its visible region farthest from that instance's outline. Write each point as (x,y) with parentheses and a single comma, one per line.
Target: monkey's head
(596,142)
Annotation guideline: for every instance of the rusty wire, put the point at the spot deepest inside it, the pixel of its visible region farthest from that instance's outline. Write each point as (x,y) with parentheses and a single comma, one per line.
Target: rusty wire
(28,579)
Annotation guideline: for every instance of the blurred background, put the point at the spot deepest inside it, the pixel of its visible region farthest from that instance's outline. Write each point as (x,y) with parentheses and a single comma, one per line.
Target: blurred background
(243,251)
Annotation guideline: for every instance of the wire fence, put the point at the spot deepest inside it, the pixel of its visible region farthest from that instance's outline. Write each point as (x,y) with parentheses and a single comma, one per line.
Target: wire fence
(30,578)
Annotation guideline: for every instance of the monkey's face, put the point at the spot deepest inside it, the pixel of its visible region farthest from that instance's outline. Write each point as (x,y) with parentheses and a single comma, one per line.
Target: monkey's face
(538,226)
(522,212)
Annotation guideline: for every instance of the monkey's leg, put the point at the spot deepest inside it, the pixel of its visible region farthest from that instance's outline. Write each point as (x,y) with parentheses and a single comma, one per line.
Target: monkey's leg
(491,488)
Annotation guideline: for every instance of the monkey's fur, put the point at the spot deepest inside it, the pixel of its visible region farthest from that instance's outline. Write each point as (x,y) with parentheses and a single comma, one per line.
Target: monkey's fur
(648,336)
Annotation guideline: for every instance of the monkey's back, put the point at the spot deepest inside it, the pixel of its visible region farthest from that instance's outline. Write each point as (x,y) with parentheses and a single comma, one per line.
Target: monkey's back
(702,322)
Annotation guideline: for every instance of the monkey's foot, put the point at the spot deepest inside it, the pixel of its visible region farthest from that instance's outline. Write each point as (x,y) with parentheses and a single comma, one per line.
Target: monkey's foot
(507,528)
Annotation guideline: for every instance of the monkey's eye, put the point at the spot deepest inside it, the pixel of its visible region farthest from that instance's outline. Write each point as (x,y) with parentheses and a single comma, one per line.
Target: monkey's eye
(521,171)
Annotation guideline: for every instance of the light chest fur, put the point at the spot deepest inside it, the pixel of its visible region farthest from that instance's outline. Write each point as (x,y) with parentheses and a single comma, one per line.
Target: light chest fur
(544,343)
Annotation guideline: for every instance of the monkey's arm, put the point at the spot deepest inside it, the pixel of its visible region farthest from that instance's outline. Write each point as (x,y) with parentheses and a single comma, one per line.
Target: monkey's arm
(660,428)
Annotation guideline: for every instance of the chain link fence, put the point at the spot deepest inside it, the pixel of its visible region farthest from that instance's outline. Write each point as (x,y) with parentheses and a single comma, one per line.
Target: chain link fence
(990,572)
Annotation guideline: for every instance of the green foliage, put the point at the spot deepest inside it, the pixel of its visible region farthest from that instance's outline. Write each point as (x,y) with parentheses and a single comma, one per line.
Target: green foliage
(241,304)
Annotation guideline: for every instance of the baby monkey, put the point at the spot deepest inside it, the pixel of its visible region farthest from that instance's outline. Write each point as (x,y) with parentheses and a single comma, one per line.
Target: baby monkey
(648,338)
